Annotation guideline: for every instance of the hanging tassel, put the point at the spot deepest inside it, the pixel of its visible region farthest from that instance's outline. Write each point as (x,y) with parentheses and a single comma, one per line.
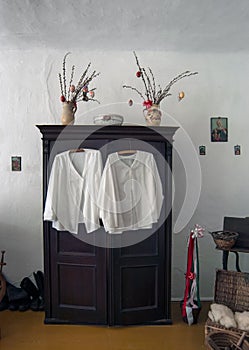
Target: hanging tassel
(191,306)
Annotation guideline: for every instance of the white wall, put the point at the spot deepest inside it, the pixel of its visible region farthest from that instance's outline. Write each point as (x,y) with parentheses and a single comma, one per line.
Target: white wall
(29,95)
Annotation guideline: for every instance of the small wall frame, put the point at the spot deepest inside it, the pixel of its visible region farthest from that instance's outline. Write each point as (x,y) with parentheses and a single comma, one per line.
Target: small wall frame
(16,163)
(219,129)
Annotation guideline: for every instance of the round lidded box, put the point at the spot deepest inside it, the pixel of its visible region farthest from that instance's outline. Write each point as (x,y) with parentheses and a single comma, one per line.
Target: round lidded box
(225,239)
(108,119)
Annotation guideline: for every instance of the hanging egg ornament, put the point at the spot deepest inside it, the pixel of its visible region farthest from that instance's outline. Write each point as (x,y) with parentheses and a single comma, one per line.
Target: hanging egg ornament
(91,93)
(138,74)
(130,102)
(72,88)
(181,95)
(85,89)
(62,98)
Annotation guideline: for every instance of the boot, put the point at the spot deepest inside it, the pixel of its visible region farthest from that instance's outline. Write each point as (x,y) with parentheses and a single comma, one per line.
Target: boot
(39,279)
(32,291)
(18,298)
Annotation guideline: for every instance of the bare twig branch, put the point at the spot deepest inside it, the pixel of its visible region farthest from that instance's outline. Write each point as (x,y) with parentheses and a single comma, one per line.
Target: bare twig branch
(132,88)
(150,88)
(71,80)
(154,84)
(64,74)
(61,86)
(78,94)
(150,85)
(142,76)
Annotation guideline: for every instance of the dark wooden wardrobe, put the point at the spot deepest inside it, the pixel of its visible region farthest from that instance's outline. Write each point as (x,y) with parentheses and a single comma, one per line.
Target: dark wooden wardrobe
(89,284)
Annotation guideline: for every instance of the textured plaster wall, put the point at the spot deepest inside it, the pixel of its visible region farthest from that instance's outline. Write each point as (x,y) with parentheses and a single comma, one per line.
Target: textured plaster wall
(29,95)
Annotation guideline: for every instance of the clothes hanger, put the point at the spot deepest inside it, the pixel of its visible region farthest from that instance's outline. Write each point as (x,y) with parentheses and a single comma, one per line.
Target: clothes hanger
(128,151)
(77,150)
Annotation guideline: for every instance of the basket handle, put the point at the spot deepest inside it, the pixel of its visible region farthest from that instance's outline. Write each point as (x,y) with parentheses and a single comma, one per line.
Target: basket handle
(241,339)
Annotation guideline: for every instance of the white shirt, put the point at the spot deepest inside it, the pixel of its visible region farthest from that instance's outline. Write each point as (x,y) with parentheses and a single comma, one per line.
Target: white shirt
(72,190)
(130,195)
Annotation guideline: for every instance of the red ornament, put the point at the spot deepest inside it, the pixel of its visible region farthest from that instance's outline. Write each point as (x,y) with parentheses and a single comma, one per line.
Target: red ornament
(138,74)
(63,99)
(147,104)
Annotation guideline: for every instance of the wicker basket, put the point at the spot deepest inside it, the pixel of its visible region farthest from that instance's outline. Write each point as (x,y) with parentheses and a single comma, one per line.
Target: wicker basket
(232,290)
(224,239)
(224,340)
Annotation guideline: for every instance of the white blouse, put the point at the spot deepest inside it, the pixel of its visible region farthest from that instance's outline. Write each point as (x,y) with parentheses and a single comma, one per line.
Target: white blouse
(72,191)
(130,195)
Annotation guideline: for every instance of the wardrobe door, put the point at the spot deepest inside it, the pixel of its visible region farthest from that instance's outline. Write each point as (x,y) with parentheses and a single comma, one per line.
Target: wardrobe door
(78,280)
(75,271)
(139,294)
(142,272)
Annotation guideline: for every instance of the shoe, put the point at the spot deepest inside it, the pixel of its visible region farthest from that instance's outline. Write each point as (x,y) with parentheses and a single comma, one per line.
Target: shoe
(39,279)
(13,298)
(15,293)
(24,304)
(18,298)
(35,304)
(29,287)
(32,291)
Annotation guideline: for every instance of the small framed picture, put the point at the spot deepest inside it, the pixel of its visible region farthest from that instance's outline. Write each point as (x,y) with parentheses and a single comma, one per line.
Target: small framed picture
(202,150)
(237,150)
(219,129)
(16,163)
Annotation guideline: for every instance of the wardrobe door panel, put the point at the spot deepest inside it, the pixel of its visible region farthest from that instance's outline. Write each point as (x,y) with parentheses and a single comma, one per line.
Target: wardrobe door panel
(133,297)
(68,243)
(139,282)
(78,287)
(148,247)
(76,275)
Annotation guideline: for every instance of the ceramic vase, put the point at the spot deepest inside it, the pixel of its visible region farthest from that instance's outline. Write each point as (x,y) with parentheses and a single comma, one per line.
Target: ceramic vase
(68,112)
(153,115)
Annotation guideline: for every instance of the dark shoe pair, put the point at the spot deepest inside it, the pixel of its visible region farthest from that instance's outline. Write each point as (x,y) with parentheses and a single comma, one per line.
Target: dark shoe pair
(21,305)
(31,290)
(36,294)
(16,298)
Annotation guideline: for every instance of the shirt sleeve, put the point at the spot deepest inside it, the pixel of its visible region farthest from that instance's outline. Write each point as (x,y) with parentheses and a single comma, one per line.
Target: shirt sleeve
(50,203)
(107,200)
(155,191)
(101,199)
(91,208)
